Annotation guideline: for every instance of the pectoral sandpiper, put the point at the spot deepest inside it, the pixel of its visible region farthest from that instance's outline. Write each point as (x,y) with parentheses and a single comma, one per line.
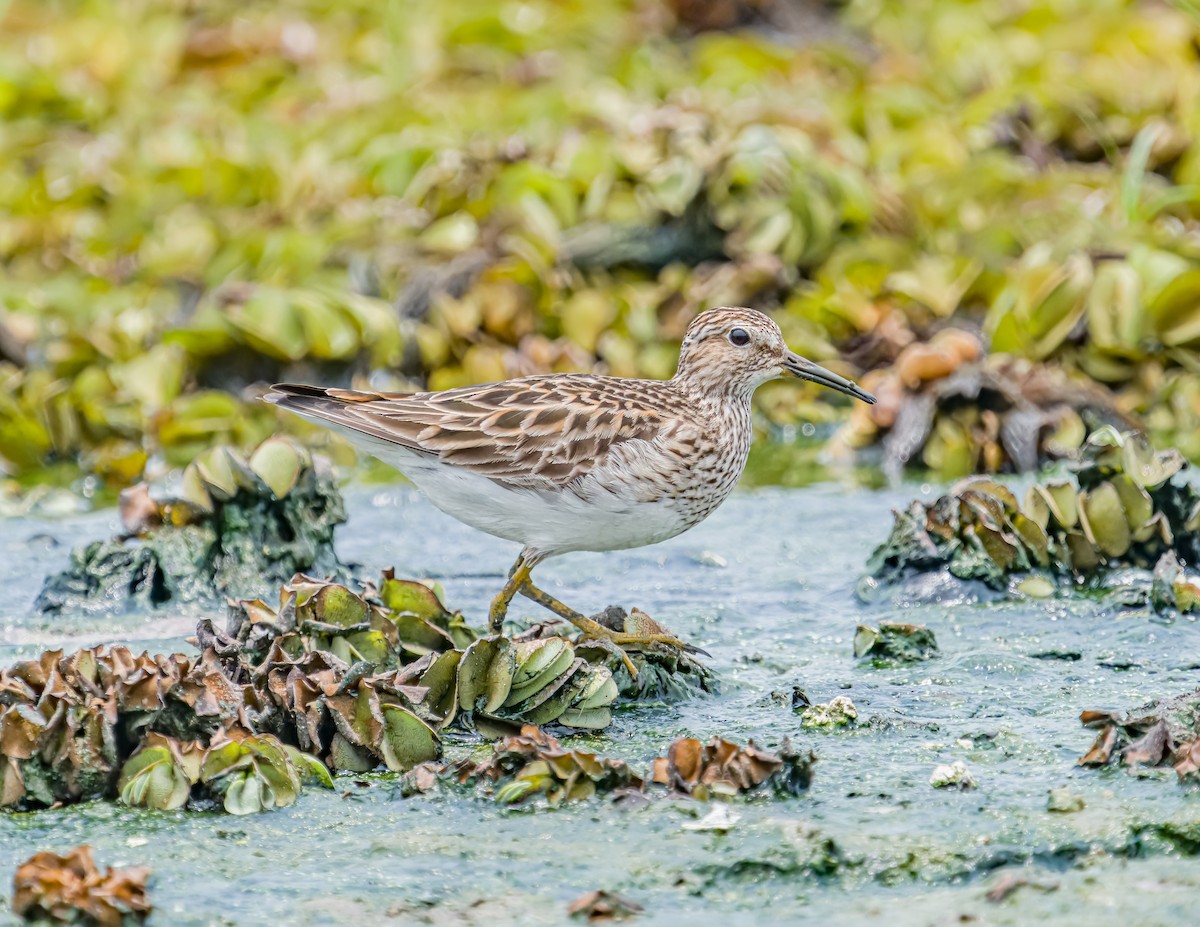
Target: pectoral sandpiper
(568,462)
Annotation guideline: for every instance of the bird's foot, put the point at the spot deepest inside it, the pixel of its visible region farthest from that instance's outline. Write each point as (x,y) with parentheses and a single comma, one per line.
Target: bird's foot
(639,629)
(639,632)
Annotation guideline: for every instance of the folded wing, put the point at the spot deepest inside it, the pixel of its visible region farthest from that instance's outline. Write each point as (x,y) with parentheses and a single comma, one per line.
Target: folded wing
(539,432)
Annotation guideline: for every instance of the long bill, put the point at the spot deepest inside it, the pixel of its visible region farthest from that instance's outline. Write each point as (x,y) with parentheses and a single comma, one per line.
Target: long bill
(803,369)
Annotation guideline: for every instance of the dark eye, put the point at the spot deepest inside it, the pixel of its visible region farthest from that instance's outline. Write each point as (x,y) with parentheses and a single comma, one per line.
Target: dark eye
(740,337)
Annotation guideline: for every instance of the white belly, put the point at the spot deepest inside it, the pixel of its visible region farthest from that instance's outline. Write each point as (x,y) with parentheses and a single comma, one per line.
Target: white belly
(549,523)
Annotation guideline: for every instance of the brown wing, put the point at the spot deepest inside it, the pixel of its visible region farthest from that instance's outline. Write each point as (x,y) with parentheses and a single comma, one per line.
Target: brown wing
(531,432)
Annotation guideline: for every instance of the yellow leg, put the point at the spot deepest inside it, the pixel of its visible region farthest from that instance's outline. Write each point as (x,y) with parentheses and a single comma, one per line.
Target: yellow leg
(516,576)
(594,629)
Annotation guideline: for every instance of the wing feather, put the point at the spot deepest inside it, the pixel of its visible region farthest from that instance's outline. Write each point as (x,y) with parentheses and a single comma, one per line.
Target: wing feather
(538,432)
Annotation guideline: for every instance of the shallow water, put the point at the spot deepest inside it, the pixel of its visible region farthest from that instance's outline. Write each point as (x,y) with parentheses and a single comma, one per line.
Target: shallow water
(766,586)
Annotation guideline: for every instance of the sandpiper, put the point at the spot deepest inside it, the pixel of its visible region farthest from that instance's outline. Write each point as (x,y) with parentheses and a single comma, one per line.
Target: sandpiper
(567,462)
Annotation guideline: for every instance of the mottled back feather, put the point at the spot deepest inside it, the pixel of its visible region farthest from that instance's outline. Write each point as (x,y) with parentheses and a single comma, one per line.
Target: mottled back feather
(537,432)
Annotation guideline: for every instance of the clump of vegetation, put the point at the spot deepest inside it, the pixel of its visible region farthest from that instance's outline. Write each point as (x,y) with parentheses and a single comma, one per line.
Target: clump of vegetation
(662,673)
(401,627)
(426,191)
(1122,509)
(944,406)
(838,712)
(330,679)
(103,723)
(534,763)
(722,768)
(894,642)
(1174,589)
(1164,733)
(70,889)
(236,523)
(603,906)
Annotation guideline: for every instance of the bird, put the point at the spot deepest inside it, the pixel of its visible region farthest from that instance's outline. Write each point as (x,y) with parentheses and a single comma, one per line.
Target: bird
(560,463)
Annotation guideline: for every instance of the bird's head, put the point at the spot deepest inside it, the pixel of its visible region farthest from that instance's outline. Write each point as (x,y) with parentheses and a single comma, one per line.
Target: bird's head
(733,351)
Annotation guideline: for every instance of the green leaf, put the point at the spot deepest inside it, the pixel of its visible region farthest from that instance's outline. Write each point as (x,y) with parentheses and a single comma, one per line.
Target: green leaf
(1135,171)
(411,598)
(151,779)
(310,769)
(406,740)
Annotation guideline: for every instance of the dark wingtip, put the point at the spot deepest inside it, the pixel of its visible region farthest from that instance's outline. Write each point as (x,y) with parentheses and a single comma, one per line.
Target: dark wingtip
(280,392)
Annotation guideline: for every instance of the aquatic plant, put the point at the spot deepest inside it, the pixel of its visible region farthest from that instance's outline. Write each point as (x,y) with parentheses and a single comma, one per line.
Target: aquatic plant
(1123,508)
(722,768)
(894,642)
(603,906)
(827,716)
(236,523)
(401,627)
(535,763)
(467,215)
(69,889)
(330,679)
(1163,733)
(945,407)
(103,723)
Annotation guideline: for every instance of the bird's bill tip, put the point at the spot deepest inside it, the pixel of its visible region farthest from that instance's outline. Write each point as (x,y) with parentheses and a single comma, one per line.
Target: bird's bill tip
(803,369)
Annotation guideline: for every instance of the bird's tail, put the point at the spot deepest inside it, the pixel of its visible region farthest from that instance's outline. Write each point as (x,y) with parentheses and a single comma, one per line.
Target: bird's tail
(332,407)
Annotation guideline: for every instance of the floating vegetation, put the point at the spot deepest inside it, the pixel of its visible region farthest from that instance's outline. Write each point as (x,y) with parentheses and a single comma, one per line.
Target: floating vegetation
(401,628)
(330,679)
(392,622)
(534,763)
(955,775)
(1163,733)
(70,889)
(663,673)
(894,642)
(838,712)
(720,768)
(1174,588)
(236,523)
(157,732)
(1123,509)
(515,226)
(603,906)
(945,407)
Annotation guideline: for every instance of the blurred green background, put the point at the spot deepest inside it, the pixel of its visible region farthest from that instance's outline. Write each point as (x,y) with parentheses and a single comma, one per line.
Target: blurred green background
(197,198)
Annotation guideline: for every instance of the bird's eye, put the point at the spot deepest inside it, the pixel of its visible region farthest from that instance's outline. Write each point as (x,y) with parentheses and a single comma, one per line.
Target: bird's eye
(740,337)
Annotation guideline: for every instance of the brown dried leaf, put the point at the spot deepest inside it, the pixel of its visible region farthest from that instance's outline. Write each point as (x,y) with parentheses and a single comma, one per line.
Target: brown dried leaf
(1102,749)
(720,765)
(1187,759)
(602,905)
(1150,748)
(67,889)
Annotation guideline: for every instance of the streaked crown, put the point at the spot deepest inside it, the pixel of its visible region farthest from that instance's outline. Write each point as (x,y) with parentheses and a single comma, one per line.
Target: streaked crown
(731,351)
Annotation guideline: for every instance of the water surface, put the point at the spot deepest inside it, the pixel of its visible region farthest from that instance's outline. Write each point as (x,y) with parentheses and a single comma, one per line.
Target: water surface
(766,586)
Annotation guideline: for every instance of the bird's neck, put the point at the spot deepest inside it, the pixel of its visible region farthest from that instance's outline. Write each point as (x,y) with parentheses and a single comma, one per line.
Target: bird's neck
(713,387)
(729,407)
